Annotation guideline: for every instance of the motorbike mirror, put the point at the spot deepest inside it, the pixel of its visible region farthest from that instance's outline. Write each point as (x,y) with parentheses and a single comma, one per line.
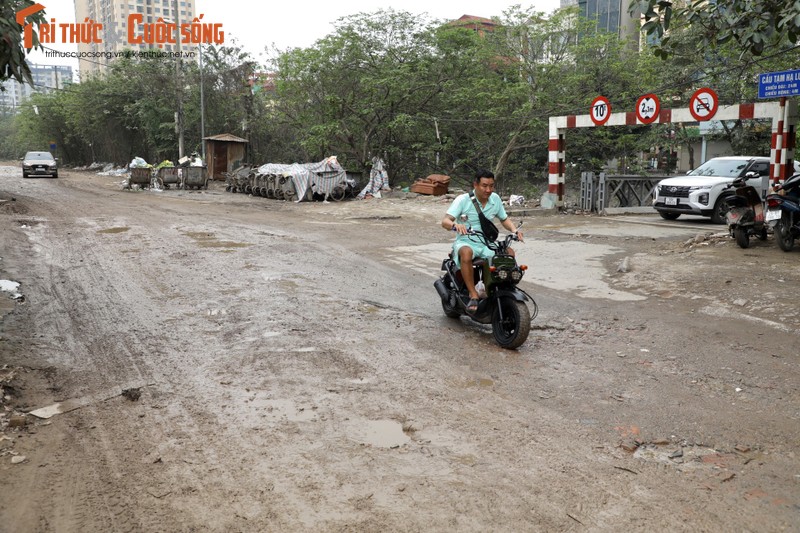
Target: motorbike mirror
(464,218)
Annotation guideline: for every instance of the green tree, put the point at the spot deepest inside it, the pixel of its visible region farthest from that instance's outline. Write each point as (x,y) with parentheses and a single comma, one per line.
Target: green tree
(12,47)
(755,25)
(374,87)
(731,72)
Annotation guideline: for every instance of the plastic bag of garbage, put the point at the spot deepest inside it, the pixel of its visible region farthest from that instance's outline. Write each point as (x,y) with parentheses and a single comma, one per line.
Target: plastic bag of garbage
(516,199)
(138,162)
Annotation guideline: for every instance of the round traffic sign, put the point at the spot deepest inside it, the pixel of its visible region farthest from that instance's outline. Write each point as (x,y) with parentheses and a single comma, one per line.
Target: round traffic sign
(600,110)
(703,104)
(647,108)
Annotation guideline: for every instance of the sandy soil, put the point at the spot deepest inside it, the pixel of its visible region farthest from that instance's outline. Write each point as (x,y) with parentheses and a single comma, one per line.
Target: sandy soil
(230,363)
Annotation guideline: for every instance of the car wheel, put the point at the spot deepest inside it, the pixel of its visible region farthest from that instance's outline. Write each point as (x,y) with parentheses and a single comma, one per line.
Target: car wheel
(25,175)
(669,216)
(55,175)
(721,209)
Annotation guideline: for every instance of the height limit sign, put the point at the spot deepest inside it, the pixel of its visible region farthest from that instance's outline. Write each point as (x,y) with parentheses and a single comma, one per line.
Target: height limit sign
(600,111)
(647,108)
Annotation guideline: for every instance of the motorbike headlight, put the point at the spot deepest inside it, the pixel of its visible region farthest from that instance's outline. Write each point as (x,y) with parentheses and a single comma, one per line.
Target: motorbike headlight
(516,275)
(502,275)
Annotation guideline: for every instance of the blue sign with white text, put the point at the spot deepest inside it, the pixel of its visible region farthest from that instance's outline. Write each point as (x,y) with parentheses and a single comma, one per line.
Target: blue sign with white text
(777,84)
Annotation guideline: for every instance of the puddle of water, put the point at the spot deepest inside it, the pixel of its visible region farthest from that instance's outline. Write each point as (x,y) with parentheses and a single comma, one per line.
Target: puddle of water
(208,240)
(288,285)
(113,230)
(380,433)
(483,383)
(468,459)
(222,244)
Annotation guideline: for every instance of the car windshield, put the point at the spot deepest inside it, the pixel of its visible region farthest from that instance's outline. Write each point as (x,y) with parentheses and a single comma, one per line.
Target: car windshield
(726,168)
(39,156)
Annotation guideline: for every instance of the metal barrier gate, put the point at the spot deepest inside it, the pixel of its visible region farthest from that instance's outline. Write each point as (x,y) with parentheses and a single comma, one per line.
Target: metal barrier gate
(601,191)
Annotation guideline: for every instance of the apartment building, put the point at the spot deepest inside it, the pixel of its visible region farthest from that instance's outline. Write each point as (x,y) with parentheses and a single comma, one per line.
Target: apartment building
(46,78)
(113,15)
(611,16)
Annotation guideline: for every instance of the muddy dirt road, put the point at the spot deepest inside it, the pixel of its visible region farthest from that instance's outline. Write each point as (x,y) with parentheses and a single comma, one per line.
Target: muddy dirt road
(287,367)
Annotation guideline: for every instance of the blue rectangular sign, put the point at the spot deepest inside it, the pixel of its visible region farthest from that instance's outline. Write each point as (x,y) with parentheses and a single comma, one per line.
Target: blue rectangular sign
(777,84)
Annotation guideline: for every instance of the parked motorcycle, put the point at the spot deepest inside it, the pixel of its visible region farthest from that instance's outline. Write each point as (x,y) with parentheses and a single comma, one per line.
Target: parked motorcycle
(745,216)
(504,306)
(783,210)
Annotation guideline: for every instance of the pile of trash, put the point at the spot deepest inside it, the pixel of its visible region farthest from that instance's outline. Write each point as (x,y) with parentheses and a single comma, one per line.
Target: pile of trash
(378,181)
(434,184)
(297,182)
(138,162)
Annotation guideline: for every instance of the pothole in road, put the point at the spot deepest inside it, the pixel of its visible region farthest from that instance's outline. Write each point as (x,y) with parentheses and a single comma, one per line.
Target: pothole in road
(381,433)
(278,409)
(692,457)
(209,240)
(113,230)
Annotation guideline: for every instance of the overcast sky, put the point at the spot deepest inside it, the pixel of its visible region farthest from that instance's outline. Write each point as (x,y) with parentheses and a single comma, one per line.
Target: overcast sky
(297,23)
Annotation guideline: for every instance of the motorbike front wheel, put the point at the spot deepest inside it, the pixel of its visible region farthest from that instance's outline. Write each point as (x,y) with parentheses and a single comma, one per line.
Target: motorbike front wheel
(450,304)
(512,330)
(783,233)
(742,237)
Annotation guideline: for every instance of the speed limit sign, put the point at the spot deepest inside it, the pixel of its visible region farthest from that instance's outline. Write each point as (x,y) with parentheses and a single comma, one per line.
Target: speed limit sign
(647,108)
(600,110)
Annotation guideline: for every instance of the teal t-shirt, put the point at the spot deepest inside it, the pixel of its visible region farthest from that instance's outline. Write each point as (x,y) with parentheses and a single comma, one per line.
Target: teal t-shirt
(463,205)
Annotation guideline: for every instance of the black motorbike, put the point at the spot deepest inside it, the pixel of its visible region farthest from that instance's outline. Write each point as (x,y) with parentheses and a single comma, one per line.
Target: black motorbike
(745,216)
(783,210)
(504,305)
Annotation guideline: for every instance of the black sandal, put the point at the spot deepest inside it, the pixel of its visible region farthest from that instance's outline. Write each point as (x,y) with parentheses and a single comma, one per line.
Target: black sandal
(472,305)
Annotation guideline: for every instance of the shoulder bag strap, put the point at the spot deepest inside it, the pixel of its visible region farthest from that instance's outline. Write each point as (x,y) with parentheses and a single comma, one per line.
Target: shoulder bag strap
(476,204)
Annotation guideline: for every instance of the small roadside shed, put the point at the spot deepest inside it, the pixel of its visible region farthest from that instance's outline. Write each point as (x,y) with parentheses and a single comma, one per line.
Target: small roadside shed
(224,153)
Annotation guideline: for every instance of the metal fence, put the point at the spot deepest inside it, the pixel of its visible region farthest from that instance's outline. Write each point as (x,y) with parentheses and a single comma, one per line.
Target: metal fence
(600,191)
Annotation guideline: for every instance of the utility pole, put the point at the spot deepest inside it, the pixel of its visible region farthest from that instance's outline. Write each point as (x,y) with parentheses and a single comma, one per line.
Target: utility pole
(178,80)
(202,107)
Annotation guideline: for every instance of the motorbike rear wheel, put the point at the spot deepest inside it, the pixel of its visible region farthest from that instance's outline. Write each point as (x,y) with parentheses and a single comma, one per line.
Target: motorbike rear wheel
(513,329)
(742,236)
(783,233)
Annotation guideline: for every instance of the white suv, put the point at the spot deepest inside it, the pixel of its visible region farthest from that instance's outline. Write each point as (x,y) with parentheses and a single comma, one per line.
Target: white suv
(703,190)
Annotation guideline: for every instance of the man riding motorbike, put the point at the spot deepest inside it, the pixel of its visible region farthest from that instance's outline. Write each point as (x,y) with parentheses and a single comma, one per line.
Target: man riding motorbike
(465,249)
